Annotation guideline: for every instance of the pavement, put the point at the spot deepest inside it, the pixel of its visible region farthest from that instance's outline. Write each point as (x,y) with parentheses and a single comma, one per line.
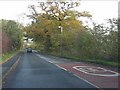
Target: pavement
(31,70)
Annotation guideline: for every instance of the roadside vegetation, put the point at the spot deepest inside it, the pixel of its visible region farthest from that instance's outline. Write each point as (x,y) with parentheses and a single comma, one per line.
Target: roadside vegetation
(11,38)
(7,56)
(56,29)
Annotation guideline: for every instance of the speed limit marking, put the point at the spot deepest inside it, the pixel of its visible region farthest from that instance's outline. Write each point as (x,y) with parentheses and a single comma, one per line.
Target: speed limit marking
(98,71)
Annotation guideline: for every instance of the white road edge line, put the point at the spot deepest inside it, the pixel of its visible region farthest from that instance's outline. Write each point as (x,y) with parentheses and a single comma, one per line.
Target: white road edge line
(77,76)
(51,62)
(61,67)
(11,68)
(68,71)
(86,81)
(43,58)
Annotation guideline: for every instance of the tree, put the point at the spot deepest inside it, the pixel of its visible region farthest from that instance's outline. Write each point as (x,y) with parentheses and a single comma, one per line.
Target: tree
(13,30)
(53,15)
(105,40)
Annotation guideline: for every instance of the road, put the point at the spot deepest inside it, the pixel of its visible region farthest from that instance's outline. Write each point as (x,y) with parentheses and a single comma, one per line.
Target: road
(37,71)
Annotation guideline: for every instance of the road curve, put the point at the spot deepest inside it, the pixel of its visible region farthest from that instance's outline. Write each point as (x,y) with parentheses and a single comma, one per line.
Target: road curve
(35,72)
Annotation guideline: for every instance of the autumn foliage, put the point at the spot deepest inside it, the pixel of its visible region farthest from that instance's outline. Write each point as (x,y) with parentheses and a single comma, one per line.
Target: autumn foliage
(73,39)
(10,36)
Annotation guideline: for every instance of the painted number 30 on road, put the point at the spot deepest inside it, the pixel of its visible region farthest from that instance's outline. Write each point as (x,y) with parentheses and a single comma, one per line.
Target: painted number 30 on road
(96,71)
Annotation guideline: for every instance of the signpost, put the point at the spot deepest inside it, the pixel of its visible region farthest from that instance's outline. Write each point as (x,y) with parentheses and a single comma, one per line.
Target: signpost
(61,30)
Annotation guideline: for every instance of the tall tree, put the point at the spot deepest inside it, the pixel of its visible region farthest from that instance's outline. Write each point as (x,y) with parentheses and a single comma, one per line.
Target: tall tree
(50,17)
(12,30)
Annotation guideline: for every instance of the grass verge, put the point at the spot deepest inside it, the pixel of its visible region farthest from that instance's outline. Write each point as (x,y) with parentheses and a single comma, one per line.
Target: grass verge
(6,56)
(101,62)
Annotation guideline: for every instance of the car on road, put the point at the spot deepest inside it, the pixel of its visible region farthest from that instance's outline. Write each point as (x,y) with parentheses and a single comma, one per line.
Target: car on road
(29,50)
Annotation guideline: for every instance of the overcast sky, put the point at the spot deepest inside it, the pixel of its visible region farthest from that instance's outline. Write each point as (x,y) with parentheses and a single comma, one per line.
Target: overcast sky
(100,10)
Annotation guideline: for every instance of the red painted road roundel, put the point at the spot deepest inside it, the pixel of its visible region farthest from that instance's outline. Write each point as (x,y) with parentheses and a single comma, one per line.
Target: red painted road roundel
(92,70)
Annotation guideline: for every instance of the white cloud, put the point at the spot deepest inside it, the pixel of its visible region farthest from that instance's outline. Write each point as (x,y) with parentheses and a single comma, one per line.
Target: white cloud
(99,9)
(14,10)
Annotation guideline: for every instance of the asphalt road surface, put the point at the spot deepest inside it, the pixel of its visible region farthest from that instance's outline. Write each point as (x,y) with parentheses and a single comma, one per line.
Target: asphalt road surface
(35,71)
